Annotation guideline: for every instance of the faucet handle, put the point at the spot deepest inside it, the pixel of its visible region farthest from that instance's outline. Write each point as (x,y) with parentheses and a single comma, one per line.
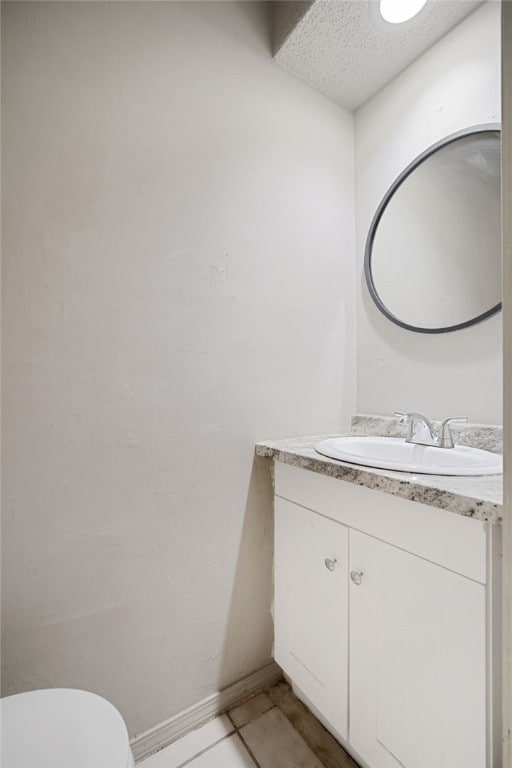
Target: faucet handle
(446,437)
(402,417)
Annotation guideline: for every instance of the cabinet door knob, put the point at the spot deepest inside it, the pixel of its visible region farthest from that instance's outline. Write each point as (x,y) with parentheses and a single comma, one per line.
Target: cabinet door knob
(330,564)
(357,577)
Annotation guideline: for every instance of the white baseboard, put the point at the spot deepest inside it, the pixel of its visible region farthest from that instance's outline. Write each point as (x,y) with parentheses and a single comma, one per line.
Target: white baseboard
(178,725)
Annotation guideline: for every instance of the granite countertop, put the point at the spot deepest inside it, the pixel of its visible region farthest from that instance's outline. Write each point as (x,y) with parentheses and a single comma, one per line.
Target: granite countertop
(479,497)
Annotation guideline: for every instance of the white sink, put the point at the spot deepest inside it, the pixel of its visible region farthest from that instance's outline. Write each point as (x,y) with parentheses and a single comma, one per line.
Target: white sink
(395,453)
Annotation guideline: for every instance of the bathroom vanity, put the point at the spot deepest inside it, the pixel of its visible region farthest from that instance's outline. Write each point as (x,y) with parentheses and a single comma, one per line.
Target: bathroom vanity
(386,607)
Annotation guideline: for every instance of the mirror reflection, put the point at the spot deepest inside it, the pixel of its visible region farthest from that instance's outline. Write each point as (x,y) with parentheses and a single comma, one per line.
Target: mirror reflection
(433,255)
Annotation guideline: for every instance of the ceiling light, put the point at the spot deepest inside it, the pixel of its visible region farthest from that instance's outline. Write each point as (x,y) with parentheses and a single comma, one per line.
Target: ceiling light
(397,11)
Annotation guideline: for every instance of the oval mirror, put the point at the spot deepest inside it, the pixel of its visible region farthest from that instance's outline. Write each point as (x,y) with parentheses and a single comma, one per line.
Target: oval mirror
(433,253)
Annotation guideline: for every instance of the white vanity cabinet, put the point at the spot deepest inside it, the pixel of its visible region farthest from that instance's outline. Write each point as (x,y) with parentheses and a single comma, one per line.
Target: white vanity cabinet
(417,661)
(311,634)
(383,621)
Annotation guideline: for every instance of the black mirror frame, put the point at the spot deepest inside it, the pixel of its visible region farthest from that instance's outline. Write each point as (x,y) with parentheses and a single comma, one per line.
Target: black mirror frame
(494,127)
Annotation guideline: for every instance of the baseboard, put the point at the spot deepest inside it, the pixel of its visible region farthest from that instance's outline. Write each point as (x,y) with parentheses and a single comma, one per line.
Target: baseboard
(178,725)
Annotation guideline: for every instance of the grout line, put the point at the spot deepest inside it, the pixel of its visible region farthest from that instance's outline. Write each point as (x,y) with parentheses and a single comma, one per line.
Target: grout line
(263,712)
(206,749)
(249,750)
(242,739)
(294,725)
(228,715)
(237,731)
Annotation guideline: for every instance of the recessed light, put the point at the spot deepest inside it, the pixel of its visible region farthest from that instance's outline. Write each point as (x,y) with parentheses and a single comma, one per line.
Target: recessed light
(398,11)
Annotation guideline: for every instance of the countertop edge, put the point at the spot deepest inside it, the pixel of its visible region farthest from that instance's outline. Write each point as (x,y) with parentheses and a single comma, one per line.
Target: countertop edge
(458,503)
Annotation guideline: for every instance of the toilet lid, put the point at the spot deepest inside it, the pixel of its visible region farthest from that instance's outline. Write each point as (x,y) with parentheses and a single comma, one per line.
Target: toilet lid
(62,728)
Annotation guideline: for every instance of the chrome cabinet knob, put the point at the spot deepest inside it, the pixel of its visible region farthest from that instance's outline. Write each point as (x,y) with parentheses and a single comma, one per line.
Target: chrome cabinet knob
(357,577)
(330,564)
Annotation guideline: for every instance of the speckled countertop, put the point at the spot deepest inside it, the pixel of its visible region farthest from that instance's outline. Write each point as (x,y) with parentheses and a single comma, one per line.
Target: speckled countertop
(479,497)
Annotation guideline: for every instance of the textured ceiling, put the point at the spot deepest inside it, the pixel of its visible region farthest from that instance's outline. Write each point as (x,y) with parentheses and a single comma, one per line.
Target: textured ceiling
(346,50)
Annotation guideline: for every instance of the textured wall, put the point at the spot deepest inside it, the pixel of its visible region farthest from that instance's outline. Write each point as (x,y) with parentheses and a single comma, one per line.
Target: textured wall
(178,283)
(454,85)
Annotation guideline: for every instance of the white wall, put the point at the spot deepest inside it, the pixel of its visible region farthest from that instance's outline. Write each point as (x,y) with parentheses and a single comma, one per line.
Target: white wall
(178,283)
(453,85)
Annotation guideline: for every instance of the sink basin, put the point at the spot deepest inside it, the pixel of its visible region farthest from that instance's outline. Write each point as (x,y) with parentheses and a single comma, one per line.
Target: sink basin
(395,453)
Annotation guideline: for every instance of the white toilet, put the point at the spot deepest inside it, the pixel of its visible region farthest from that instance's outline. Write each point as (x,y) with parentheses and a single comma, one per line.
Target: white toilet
(62,728)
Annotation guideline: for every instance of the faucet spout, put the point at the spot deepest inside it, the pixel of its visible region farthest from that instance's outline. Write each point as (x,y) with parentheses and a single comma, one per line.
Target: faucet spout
(419,428)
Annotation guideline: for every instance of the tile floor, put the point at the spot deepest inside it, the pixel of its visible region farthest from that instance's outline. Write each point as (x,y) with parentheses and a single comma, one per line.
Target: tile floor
(273,729)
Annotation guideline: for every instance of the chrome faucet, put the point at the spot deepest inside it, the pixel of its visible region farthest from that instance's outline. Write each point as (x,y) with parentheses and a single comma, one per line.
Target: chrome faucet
(419,428)
(421,431)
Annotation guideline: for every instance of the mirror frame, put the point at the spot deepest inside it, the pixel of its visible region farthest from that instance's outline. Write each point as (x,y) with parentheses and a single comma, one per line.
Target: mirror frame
(496,127)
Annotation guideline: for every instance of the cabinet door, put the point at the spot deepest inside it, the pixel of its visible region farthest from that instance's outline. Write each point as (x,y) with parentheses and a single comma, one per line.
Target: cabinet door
(311,605)
(417,661)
